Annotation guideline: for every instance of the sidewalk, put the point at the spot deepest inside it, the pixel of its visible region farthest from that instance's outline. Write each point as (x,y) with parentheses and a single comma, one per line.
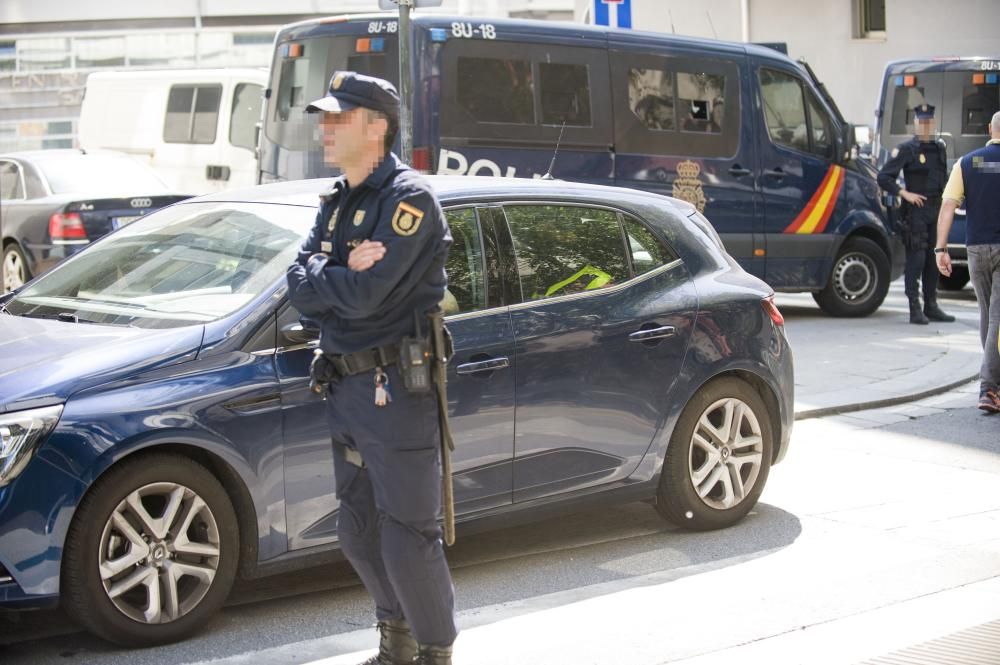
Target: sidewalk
(844,365)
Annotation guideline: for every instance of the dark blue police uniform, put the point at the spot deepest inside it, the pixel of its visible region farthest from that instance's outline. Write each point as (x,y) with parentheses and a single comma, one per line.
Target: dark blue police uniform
(387,458)
(925,169)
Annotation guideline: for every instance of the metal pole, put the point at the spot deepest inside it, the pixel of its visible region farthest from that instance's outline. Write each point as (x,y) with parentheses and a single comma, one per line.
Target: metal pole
(405,135)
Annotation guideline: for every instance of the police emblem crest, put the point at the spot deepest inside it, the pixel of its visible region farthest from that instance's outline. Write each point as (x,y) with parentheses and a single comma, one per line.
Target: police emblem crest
(359,218)
(333,221)
(923,159)
(687,187)
(406,220)
(338,81)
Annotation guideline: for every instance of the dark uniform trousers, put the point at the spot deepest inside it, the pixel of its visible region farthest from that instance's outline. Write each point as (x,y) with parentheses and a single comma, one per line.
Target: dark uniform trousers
(388,521)
(921,265)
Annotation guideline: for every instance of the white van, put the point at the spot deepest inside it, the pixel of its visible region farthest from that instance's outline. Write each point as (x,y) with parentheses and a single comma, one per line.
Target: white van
(195,127)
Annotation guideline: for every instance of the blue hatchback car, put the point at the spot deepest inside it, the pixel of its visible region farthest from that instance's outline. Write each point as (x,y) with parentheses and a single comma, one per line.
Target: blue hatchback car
(158,437)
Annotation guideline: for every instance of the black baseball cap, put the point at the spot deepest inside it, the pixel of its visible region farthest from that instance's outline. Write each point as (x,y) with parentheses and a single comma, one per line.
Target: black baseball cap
(349,90)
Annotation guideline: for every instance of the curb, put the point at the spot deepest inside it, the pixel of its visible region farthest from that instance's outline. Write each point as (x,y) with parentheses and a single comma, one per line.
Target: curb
(880,403)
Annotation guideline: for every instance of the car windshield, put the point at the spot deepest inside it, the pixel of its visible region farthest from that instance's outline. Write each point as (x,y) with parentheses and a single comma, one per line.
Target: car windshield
(99,174)
(187,264)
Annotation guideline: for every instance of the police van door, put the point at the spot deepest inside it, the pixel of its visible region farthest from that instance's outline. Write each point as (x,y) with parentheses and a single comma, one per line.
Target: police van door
(480,388)
(597,349)
(801,184)
(681,130)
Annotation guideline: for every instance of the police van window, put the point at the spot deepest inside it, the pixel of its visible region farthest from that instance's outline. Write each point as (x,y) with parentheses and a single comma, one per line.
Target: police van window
(192,113)
(651,97)
(822,130)
(979,103)
(494,90)
(466,290)
(566,249)
(10,182)
(904,99)
(245,114)
(784,109)
(701,100)
(675,105)
(565,91)
(646,250)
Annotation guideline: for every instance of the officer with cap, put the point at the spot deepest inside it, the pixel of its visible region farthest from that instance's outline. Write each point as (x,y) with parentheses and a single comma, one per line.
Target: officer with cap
(370,269)
(923,161)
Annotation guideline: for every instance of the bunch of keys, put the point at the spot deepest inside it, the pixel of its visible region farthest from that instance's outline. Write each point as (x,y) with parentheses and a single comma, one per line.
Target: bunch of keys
(382,396)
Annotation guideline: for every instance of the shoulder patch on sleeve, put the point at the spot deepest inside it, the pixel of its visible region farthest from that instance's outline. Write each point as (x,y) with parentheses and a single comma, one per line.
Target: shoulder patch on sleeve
(406,220)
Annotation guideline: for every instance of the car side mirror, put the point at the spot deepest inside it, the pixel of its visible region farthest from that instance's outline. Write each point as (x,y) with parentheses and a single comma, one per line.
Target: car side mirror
(296,333)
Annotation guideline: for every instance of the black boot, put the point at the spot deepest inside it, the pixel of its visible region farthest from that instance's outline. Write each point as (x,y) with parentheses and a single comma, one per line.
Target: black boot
(935,313)
(428,655)
(396,645)
(916,315)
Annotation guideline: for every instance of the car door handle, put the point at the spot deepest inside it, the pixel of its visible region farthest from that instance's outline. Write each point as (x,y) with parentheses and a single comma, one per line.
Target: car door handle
(737,171)
(483,366)
(652,333)
(777,173)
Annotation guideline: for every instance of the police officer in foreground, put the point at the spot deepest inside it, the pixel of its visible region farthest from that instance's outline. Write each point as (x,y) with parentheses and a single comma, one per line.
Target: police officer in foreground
(923,161)
(371,268)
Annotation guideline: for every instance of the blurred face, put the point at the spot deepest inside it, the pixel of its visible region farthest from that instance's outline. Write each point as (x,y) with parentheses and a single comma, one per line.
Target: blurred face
(343,137)
(924,128)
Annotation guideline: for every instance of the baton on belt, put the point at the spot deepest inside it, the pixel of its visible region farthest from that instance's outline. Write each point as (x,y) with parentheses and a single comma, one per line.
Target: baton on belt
(441,356)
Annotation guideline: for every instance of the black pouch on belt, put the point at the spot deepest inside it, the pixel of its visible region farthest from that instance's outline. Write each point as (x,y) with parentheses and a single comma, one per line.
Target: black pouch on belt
(415,360)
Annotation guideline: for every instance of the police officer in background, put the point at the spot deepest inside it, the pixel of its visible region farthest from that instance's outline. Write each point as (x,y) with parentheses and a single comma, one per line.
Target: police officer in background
(923,161)
(371,268)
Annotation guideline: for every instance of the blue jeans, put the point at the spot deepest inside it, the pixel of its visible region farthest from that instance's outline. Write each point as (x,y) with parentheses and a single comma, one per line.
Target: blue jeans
(984,271)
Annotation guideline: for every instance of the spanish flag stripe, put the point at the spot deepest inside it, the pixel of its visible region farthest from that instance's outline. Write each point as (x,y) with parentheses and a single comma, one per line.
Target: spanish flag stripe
(825,203)
(833,202)
(804,214)
(816,213)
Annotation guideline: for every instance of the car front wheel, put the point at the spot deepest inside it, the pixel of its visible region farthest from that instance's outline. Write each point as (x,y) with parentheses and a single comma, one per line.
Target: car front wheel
(718,458)
(152,552)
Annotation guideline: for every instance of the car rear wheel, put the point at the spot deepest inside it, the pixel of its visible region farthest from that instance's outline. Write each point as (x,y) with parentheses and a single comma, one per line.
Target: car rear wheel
(718,458)
(858,282)
(956,281)
(152,552)
(15,267)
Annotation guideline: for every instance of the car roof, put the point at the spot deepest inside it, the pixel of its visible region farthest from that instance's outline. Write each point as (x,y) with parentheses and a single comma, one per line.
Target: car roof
(451,188)
(58,153)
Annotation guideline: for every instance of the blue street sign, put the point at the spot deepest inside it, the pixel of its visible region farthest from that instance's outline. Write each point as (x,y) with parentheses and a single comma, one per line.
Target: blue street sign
(613,13)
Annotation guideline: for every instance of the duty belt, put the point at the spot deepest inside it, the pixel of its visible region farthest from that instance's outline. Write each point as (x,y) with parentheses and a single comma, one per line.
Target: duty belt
(361,361)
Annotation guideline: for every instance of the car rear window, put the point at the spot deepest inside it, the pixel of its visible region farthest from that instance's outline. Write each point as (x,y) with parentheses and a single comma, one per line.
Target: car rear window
(96,175)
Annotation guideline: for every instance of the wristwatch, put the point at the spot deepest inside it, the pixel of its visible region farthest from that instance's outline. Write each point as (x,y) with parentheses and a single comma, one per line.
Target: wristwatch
(940,250)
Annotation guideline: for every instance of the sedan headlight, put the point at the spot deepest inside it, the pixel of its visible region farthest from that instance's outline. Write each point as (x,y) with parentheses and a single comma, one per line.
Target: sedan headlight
(20,434)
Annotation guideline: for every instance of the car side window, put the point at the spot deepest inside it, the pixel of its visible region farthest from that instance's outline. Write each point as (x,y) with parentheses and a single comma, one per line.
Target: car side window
(646,250)
(192,113)
(244,115)
(11,186)
(566,249)
(784,109)
(466,290)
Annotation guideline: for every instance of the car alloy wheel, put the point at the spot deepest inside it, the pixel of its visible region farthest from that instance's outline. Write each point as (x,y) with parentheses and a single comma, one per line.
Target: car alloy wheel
(15,270)
(159,553)
(718,458)
(725,454)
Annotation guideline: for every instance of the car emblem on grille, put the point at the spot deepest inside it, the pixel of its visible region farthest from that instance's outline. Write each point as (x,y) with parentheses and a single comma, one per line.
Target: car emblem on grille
(141,203)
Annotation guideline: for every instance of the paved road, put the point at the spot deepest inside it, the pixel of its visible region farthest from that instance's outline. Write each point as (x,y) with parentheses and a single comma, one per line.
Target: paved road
(881,529)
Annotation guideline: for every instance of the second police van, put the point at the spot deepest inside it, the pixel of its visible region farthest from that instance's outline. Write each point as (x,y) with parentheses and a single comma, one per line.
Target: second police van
(742,132)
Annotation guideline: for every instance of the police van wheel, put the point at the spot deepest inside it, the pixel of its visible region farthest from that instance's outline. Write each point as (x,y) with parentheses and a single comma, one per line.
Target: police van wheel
(718,458)
(151,553)
(858,282)
(956,281)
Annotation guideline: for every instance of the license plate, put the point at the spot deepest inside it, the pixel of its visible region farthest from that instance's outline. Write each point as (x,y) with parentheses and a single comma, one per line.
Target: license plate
(118,222)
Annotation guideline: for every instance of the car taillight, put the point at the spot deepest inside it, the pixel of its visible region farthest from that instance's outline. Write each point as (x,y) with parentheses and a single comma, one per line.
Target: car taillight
(422,159)
(772,310)
(66,226)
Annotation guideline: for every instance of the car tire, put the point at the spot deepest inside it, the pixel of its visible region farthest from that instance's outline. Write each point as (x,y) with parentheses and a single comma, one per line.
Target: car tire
(696,489)
(956,281)
(858,282)
(15,271)
(129,527)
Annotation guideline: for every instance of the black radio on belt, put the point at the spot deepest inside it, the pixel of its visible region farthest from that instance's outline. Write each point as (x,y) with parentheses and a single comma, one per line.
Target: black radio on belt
(415,360)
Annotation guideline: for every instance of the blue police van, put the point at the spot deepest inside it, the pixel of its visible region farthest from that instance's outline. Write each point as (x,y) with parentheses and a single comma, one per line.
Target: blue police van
(742,132)
(965,93)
